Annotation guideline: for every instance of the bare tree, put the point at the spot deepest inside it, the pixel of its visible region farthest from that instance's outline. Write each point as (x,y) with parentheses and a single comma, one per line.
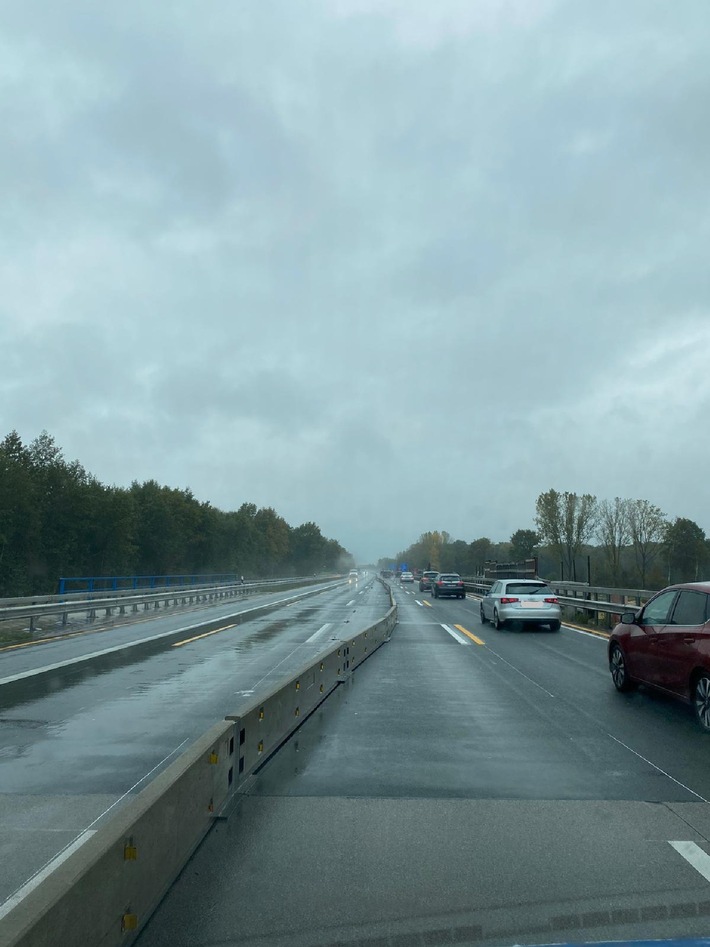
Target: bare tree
(566,521)
(614,532)
(647,525)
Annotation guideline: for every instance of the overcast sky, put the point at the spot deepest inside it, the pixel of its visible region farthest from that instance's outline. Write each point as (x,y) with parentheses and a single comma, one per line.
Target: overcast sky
(387,265)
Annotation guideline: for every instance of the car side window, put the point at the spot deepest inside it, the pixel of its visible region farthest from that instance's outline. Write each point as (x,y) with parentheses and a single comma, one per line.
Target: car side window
(658,609)
(690,609)
(494,588)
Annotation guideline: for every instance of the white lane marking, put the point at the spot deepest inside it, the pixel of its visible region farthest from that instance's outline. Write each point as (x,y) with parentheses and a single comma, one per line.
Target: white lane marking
(520,672)
(45,872)
(131,644)
(454,634)
(658,768)
(420,604)
(695,856)
(317,634)
(350,603)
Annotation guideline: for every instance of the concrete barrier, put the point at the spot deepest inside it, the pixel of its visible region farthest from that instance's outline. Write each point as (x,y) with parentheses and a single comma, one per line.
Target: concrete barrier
(104,893)
(264,723)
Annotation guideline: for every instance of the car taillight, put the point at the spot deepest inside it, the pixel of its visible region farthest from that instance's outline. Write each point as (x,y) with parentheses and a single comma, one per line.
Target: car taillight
(508,601)
(552,601)
(440,582)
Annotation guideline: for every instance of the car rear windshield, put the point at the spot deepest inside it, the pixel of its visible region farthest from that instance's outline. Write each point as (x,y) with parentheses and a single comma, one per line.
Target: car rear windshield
(451,576)
(526,588)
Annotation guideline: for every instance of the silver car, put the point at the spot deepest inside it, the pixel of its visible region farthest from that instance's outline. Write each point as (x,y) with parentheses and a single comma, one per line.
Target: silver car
(525,601)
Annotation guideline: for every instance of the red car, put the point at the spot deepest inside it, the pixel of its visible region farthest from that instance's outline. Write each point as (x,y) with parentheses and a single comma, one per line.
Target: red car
(667,644)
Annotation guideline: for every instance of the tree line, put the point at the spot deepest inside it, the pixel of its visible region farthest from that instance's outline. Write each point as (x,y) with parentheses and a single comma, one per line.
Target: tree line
(56,519)
(626,542)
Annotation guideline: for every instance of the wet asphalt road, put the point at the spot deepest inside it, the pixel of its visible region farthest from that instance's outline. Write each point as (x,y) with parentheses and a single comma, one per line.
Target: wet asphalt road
(75,742)
(495,791)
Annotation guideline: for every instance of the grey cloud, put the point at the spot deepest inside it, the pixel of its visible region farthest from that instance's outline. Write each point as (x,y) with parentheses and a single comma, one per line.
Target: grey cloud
(335,258)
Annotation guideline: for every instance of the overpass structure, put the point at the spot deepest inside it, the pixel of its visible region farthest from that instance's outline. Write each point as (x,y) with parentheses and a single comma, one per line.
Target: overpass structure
(365,766)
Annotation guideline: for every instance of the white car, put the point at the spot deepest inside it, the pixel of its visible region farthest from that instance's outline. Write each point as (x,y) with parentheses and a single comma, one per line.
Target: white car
(354,576)
(406,577)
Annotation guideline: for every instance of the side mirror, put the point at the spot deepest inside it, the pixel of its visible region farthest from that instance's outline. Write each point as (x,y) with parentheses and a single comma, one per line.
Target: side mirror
(628,618)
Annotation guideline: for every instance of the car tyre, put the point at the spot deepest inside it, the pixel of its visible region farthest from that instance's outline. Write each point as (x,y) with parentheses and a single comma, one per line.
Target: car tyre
(701,701)
(619,671)
(555,625)
(484,620)
(497,623)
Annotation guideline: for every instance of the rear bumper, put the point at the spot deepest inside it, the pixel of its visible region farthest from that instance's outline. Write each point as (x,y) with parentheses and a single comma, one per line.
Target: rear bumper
(537,615)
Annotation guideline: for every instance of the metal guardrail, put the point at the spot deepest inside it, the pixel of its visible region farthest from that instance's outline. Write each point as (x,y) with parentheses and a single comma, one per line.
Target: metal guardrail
(36,607)
(595,600)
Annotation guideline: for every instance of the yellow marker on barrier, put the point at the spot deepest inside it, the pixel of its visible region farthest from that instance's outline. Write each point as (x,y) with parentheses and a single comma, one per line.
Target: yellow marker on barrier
(214,758)
(129,922)
(130,851)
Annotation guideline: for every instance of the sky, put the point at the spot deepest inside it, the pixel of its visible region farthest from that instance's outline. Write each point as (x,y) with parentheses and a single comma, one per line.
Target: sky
(386,265)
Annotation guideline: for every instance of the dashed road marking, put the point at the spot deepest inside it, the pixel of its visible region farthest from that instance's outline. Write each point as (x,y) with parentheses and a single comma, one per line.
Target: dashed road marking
(455,635)
(695,856)
(470,635)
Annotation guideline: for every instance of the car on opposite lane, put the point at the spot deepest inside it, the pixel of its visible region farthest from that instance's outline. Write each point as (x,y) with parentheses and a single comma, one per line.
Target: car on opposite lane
(523,601)
(448,583)
(666,644)
(426,579)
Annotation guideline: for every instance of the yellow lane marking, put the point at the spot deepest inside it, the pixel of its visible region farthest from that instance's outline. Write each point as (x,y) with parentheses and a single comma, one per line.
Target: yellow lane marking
(467,632)
(206,634)
(428,604)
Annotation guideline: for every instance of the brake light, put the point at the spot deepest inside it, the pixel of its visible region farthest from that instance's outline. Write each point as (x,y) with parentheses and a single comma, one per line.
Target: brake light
(552,601)
(459,583)
(508,601)
(440,582)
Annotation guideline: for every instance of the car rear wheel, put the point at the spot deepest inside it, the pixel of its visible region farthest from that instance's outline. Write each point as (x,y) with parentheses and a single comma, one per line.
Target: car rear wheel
(555,625)
(701,701)
(497,623)
(483,615)
(619,672)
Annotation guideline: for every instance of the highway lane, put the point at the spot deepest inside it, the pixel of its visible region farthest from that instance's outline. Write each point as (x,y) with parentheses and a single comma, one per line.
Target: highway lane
(77,742)
(86,643)
(462,792)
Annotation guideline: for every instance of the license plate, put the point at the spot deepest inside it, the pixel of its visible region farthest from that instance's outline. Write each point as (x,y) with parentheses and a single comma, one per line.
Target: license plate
(533,604)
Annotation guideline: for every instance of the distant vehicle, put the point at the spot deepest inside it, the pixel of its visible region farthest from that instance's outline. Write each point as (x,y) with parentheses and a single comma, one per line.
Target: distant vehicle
(528,601)
(354,576)
(406,577)
(666,644)
(448,583)
(426,578)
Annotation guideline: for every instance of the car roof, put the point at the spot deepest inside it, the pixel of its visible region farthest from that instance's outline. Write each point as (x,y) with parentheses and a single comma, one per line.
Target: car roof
(527,581)
(695,586)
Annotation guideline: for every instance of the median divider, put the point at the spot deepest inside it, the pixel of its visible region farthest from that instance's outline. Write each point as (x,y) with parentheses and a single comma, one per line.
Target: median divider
(265,723)
(104,893)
